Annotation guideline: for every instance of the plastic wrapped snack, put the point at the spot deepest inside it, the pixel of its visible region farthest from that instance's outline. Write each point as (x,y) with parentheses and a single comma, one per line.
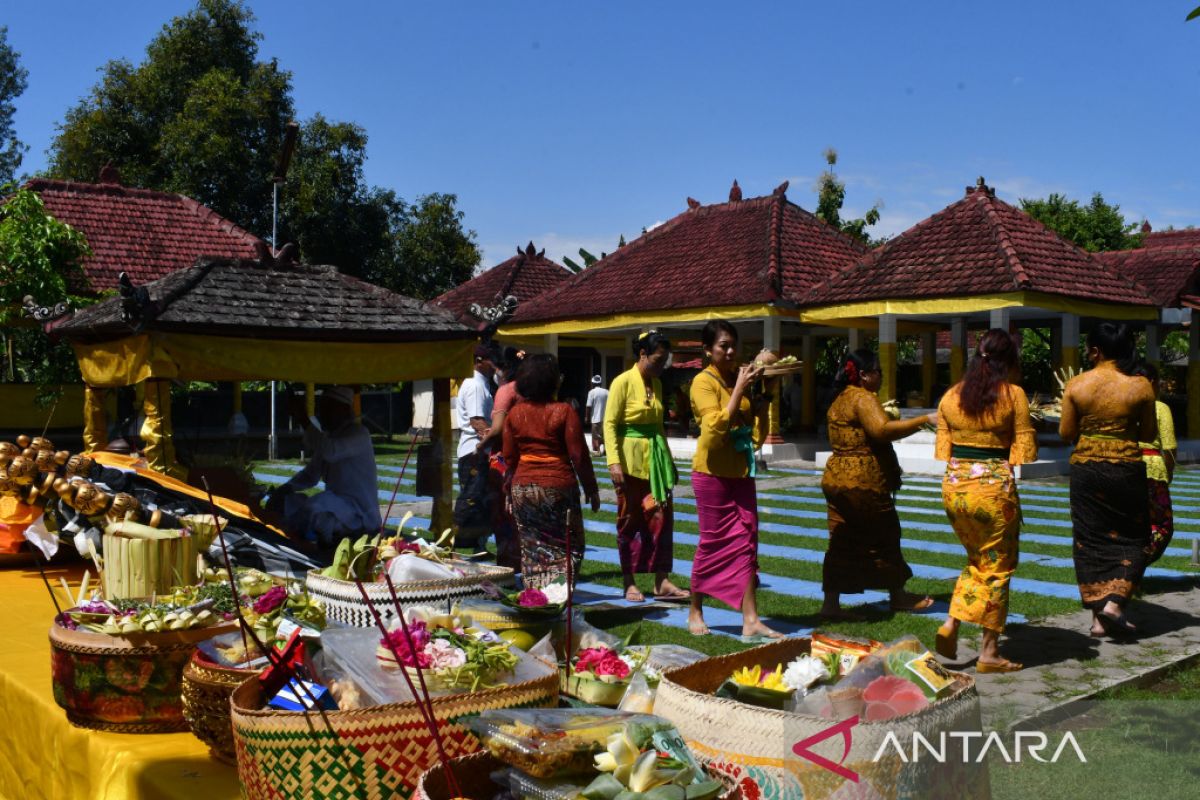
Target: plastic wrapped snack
(561,742)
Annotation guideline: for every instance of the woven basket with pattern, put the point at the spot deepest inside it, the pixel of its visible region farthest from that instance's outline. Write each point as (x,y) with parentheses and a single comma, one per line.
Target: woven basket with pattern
(754,745)
(344,603)
(370,753)
(206,690)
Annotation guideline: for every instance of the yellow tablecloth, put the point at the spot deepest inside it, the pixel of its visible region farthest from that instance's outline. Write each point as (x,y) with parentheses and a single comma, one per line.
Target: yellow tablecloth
(44,756)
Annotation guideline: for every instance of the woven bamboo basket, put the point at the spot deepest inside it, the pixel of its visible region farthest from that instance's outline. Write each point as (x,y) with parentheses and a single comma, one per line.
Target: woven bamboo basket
(129,684)
(473,774)
(344,603)
(754,746)
(206,690)
(370,753)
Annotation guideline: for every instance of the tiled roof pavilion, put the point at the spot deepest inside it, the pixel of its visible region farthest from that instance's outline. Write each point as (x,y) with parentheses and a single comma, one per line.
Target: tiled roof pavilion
(143,233)
(526,276)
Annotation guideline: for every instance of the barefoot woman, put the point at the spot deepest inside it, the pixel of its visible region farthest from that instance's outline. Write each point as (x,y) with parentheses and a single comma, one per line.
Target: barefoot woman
(864,529)
(731,428)
(983,431)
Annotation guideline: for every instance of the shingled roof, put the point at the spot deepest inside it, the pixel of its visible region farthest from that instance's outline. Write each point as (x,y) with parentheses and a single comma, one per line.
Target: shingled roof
(1185,237)
(755,251)
(1168,273)
(526,276)
(143,233)
(975,246)
(250,298)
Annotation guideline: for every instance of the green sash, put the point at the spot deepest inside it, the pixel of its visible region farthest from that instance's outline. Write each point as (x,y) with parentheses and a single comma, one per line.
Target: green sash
(743,442)
(969,453)
(662,468)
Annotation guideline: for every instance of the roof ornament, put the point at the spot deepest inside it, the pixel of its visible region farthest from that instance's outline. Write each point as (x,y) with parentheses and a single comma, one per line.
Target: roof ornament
(135,301)
(530,250)
(42,313)
(1146,228)
(494,316)
(735,192)
(981,186)
(693,203)
(281,260)
(781,189)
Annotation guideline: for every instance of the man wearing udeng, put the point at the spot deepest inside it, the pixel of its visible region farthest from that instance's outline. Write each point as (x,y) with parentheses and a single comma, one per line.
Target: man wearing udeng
(342,457)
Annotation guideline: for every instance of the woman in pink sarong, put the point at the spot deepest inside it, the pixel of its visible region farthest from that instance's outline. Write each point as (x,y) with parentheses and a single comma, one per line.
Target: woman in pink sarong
(725,566)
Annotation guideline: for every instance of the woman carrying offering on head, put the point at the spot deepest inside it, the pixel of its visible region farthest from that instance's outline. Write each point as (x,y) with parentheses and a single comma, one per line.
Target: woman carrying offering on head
(983,432)
(642,470)
(1159,456)
(546,460)
(1106,413)
(859,481)
(731,429)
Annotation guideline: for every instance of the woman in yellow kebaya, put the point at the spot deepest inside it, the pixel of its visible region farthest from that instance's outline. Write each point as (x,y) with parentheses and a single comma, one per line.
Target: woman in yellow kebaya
(984,432)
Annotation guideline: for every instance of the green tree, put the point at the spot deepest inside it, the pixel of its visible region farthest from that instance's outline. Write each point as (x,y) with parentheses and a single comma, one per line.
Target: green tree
(1095,227)
(430,252)
(13,80)
(40,257)
(831,196)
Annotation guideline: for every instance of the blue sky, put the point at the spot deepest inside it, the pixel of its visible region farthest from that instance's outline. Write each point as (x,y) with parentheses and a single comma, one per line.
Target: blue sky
(570,124)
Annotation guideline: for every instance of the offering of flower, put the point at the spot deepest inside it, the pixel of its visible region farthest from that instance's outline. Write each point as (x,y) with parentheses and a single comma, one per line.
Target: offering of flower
(804,673)
(545,603)
(757,687)
(603,663)
(630,773)
(452,657)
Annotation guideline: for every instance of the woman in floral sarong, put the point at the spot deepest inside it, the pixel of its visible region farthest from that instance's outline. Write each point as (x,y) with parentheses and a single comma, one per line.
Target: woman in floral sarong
(983,433)
(1159,457)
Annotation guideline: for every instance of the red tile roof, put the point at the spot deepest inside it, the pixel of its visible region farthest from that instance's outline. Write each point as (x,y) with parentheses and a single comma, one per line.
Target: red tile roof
(142,232)
(760,250)
(1187,237)
(977,245)
(526,276)
(1166,272)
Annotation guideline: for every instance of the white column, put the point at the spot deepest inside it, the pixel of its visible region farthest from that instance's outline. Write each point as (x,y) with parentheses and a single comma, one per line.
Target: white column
(1070,330)
(1000,318)
(887,328)
(855,339)
(772,334)
(1153,353)
(550,344)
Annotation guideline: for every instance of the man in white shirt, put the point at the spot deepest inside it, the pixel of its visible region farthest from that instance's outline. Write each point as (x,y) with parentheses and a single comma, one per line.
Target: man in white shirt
(473,412)
(597,401)
(344,458)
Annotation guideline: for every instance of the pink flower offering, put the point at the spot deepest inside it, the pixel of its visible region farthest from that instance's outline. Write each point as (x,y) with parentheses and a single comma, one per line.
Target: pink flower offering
(889,696)
(601,661)
(396,641)
(271,600)
(532,598)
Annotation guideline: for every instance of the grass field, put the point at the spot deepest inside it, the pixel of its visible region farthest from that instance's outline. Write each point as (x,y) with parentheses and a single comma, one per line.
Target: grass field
(793,540)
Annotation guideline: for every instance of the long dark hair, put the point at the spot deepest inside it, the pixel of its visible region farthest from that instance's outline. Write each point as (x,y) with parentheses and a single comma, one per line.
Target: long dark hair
(987,371)
(1115,341)
(854,365)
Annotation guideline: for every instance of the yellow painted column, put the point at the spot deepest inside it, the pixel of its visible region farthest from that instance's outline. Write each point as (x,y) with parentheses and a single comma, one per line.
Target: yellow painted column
(808,373)
(310,399)
(928,367)
(1070,341)
(442,437)
(95,420)
(888,357)
(1193,377)
(158,435)
(773,340)
(958,349)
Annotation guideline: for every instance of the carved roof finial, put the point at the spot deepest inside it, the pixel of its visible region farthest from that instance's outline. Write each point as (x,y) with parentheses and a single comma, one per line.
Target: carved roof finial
(781,189)
(693,203)
(735,192)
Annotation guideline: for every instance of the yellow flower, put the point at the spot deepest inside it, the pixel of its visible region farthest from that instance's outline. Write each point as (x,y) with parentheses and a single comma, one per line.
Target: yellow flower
(747,676)
(774,680)
(756,676)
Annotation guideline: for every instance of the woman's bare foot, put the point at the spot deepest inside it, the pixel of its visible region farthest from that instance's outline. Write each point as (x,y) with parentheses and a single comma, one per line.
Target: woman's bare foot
(696,624)
(634,595)
(759,629)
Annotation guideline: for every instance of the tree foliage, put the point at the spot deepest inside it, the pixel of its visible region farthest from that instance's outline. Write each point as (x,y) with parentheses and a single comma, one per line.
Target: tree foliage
(203,116)
(1096,227)
(13,80)
(831,196)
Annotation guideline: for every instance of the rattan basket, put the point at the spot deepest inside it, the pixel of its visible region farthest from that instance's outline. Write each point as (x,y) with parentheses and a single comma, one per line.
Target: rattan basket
(129,684)
(344,603)
(754,745)
(206,690)
(473,774)
(370,753)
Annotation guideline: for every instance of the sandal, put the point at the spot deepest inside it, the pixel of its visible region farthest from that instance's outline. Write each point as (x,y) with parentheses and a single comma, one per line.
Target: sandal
(675,595)
(984,667)
(634,595)
(1117,626)
(918,605)
(946,642)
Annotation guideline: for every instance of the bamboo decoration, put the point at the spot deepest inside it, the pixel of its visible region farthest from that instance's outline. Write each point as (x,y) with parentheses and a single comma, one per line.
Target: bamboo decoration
(140,561)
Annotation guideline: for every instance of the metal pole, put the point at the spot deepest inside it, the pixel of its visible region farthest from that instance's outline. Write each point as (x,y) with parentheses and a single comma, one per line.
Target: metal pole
(274,232)
(271,439)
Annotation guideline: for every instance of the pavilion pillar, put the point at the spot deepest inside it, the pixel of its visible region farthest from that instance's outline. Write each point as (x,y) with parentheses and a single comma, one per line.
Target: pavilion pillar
(95,420)
(158,435)
(310,400)
(958,349)
(1000,318)
(1193,376)
(442,436)
(928,367)
(550,344)
(628,356)
(888,363)
(1153,351)
(808,387)
(238,425)
(1056,345)
(356,404)
(854,339)
(1070,341)
(772,340)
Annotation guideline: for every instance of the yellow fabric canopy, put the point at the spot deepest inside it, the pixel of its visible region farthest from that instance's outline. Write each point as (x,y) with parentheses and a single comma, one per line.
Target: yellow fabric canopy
(642,319)
(178,356)
(971,304)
